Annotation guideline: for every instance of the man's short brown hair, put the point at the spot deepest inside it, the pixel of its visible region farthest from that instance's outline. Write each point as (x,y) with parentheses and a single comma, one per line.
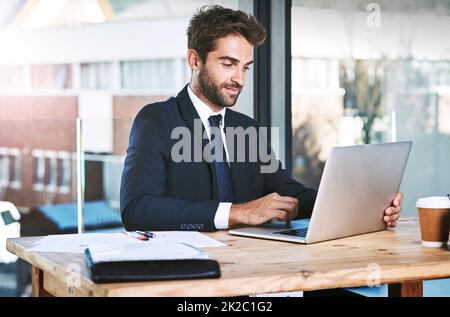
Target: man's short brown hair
(213,22)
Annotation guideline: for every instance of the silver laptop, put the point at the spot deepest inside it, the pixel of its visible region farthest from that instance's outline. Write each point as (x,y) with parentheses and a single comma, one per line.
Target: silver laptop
(358,184)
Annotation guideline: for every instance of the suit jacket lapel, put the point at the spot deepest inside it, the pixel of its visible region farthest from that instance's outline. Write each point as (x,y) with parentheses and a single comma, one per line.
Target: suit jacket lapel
(191,117)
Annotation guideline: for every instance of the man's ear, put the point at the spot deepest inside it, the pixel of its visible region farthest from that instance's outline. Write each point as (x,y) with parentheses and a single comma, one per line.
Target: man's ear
(193,59)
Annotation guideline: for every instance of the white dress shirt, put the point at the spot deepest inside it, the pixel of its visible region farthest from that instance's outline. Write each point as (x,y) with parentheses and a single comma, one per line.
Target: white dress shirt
(204,112)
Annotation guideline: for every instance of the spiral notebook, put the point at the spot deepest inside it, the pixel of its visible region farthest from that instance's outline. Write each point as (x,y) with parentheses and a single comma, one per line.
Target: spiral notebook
(152,260)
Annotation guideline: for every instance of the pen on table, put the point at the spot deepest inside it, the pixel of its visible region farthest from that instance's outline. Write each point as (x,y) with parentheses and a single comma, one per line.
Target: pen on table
(136,235)
(148,234)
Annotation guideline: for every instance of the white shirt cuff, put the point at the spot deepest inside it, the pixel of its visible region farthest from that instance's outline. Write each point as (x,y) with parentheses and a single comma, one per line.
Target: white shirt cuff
(222,215)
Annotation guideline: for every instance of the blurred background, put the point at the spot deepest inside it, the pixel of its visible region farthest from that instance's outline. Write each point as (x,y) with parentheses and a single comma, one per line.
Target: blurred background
(352,72)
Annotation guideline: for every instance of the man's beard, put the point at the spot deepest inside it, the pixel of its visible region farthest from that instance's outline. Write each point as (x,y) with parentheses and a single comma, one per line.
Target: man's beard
(214,92)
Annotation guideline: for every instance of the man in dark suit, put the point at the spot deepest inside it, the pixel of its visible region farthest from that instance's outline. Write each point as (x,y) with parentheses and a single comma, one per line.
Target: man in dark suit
(167,186)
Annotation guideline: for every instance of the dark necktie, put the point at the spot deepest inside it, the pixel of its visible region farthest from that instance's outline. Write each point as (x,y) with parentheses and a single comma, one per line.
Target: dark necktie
(223,171)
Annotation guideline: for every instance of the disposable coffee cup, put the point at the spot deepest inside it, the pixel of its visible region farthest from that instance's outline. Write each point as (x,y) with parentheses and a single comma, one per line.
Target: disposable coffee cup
(434,217)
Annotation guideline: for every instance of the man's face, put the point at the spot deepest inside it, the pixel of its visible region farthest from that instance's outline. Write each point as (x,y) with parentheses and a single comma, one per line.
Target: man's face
(222,77)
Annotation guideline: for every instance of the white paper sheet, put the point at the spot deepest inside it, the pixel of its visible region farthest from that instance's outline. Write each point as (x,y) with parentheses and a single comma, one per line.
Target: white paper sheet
(193,238)
(76,243)
(152,250)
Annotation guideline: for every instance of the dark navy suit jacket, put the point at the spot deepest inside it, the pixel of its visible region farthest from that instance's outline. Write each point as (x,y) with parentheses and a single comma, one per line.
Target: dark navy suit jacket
(158,193)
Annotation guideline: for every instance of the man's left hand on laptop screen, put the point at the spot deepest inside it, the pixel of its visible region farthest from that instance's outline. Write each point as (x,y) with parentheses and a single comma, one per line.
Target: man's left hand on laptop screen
(392,213)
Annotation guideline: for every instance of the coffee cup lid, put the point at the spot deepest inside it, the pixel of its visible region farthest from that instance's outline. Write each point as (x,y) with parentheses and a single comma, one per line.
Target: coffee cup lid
(433,202)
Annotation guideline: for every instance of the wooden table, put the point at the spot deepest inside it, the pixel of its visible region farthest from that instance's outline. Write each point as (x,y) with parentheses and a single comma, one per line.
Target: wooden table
(255,266)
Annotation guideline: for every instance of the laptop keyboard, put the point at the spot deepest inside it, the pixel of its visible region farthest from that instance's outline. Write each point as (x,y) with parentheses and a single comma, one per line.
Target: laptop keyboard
(301,232)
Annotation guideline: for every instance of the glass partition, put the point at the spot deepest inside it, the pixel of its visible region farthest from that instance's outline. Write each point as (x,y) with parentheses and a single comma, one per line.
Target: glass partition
(46,86)
(371,73)
(37,175)
(39,164)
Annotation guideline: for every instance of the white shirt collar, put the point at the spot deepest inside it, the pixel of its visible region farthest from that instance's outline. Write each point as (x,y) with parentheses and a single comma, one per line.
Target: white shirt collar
(203,110)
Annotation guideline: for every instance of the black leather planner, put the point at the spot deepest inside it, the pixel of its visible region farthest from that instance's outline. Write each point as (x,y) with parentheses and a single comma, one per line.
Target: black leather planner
(150,269)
